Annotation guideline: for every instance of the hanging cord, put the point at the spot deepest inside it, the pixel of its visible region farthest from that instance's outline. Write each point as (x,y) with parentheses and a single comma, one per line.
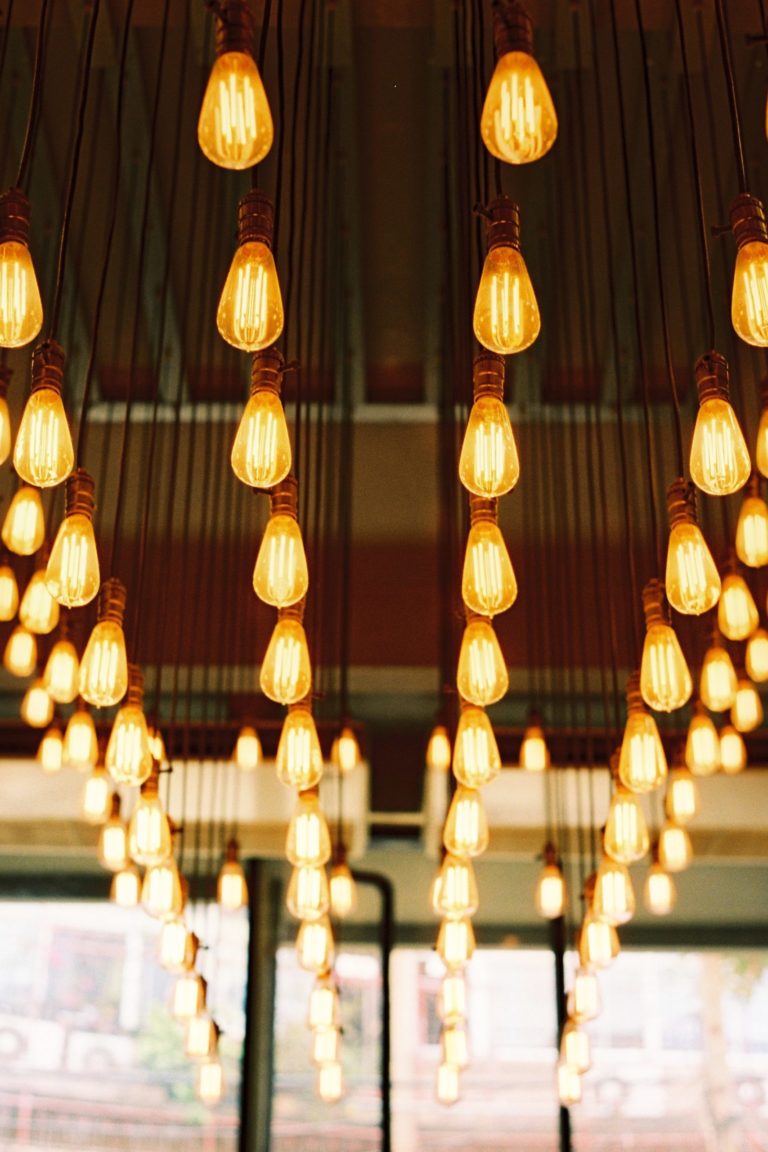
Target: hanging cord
(733,99)
(281,126)
(6,31)
(262,53)
(35,98)
(294,163)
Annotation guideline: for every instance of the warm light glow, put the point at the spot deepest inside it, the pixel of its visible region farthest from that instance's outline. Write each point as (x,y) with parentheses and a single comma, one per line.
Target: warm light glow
(466,827)
(286,673)
(113,840)
(692,580)
(231,888)
(62,672)
(506,317)
(665,681)
(326,1045)
(518,123)
(343,891)
(682,799)
(626,834)
(749,299)
(125,890)
(452,999)
(72,575)
(719,461)
(24,525)
(202,1038)
(447,1087)
(189,994)
(314,945)
(247,754)
(37,706)
(489,465)
(476,758)
(5,428)
(210,1082)
(161,892)
(149,833)
(281,576)
(178,946)
(330,1083)
(50,753)
(568,1085)
(235,126)
(157,745)
(9,595)
(488,584)
(642,763)
(481,677)
(675,852)
(104,669)
(308,841)
(129,758)
(733,753)
(81,746)
(299,761)
(38,611)
(752,532)
(456,891)
(584,996)
(614,897)
(598,942)
(261,458)
(717,687)
(456,943)
(756,657)
(747,710)
(347,751)
(308,896)
(250,317)
(97,797)
(534,753)
(575,1048)
(20,656)
(761,450)
(659,891)
(21,309)
(438,758)
(550,892)
(323,1003)
(737,615)
(455,1049)
(43,454)
(702,746)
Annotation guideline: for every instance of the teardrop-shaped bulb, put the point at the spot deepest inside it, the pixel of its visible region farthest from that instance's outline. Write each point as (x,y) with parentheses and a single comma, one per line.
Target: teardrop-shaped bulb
(626,834)
(72,575)
(752,532)
(21,308)
(149,833)
(550,896)
(518,123)
(62,672)
(575,1048)
(250,313)
(692,579)
(675,851)
(438,755)
(308,841)
(231,885)
(104,668)
(81,745)
(747,709)
(456,894)
(97,797)
(482,676)
(129,757)
(733,752)
(756,657)
(235,128)
(299,761)
(20,655)
(719,461)
(488,584)
(642,763)
(584,996)
(315,946)
(281,576)
(38,611)
(476,758)
(247,754)
(261,454)
(749,297)
(614,896)
(702,746)
(681,802)
(37,706)
(308,896)
(665,681)
(717,686)
(286,673)
(659,891)
(343,891)
(162,895)
(50,752)
(43,454)
(506,317)
(466,826)
(125,890)
(9,594)
(489,465)
(24,525)
(761,449)
(598,942)
(737,615)
(456,943)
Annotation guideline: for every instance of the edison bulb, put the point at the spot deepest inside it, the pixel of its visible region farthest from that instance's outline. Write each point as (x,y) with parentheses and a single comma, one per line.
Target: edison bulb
(749,298)
(202,1038)
(757,656)
(761,450)
(281,576)
(326,1045)
(149,833)
(299,761)
(598,942)
(489,465)
(733,753)
(210,1082)
(626,833)
(21,308)
(550,891)
(323,1003)
(43,454)
(347,750)
(518,123)
(717,687)
(642,763)
(161,893)
(261,458)
(189,996)
(308,896)
(125,890)
(455,1049)
(9,594)
(308,841)
(466,825)
(104,670)
(584,996)
(614,897)
(448,1084)
(37,706)
(481,677)
(343,891)
(659,891)
(747,709)
(456,893)
(752,532)
(534,753)
(438,757)
(250,313)
(38,610)
(247,754)
(488,584)
(737,615)
(62,672)
(231,886)
(97,797)
(113,840)
(702,747)
(575,1048)
(665,681)
(286,673)
(50,752)
(129,757)
(81,746)
(682,799)
(24,525)
(476,758)
(675,852)
(315,946)
(456,943)
(568,1085)
(235,125)
(452,999)
(20,656)
(177,947)
(506,317)
(5,422)
(719,461)
(330,1082)
(692,580)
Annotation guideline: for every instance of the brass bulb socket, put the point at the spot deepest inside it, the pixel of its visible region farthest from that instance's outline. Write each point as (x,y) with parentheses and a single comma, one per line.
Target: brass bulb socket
(232,851)
(711,372)
(134,697)
(550,855)
(255,218)
(314,791)
(748,220)
(483,510)
(589,888)
(304,705)
(488,376)
(284,498)
(6,374)
(151,786)
(48,366)
(653,603)
(267,368)
(681,502)
(234,27)
(502,225)
(114,807)
(471,617)
(635,701)
(293,611)
(112,598)
(512,28)
(79,494)
(14,216)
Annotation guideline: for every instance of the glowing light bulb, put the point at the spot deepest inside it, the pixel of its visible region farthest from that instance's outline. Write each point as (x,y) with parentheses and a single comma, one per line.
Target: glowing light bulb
(62,672)
(162,895)
(737,615)
(281,577)
(125,890)
(129,757)
(518,123)
(733,753)
(719,460)
(756,657)
(286,673)
(113,839)
(326,1045)
(250,312)
(466,825)
(448,1084)
(675,851)
(481,677)
(682,799)
(749,298)
(456,943)
(149,833)
(692,580)
(157,745)
(104,670)
(598,942)
(534,753)
(50,753)
(178,946)
(489,465)
(73,573)
(299,761)
(438,757)
(614,896)
(456,892)
(747,710)
(9,594)
(308,841)
(202,1038)
(659,891)
(575,1048)
(308,896)
(189,996)
(21,309)
(642,763)
(231,887)
(43,454)
(550,896)
(315,946)
(97,797)
(702,747)
(347,751)
(343,890)
(210,1082)
(24,525)
(665,682)
(717,687)
(761,449)
(488,584)
(323,1003)
(37,706)
(476,758)
(261,458)
(453,1042)
(247,753)
(452,1000)
(5,415)
(235,125)
(584,996)
(20,655)
(330,1082)
(38,611)
(506,317)
(568,1085)
(81,745)
(752,532)
(626,833)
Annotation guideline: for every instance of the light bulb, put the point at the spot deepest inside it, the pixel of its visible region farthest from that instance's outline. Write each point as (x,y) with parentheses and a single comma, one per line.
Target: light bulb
(261,458)
(749,298)
(488,465)
(202,1038)
(756,657)
(584,996)
(73,574)
(614,897)
(97,797)
(178,946)
(737,615)
(747,709)
(456,892)
(235,125)
(231,886)
(189,996)
(488,584)
(692,580)
(104,669)
(308,841)
(752,531)
(149,833)
(286,673)
(5,415)
(675,852)
(308,896)
(330,1082)
(38,611)
(62,672)
(481,677)
(642,763)
(210,1082)
(626,834)
(702,747)
(761,449)
(43,454)
(20,656)
(50,752)
(129,757)
(314,945)
(452,999)
(598,942)
(453,1042)
(659,891)
(681,802)
(21,309)
(506,317)
(326,1045)
(343,891)
(568,1085)
(456,943)
(448,1084)
(24,525)
(281,576)
(518,123)
(157,745)
(250,312)
(575,1048)
(299,760)
(247,754)
(550,896)
(719,460)
(347,750)
(125,890)
(733,753)
(476,758)
(534,753)
(665,682)
(162,895)
(717,687)
(37,706)
(438,757)
(466,825)
(323,1003)
(81,746)
(113,839)
(9,594)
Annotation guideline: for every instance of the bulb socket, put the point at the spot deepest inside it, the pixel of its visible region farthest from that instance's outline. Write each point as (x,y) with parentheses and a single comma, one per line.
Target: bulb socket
(114,807)
(255,218)
(14,217)
(48,366)
(284,498)
(748,220)
(310,793)
(488,376)
(589,888)
(471,617)
(550,855)
(6,374)
(483,510)
(614,764)
(711,372)
(151,786)
(653,603)
(304,705)
(234,27)
(293,611)
(232,852)
(134,697)
(681,502)
(267,368)
(512,28)
(502,224)
(79,494)
(635,701)
(112,597)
